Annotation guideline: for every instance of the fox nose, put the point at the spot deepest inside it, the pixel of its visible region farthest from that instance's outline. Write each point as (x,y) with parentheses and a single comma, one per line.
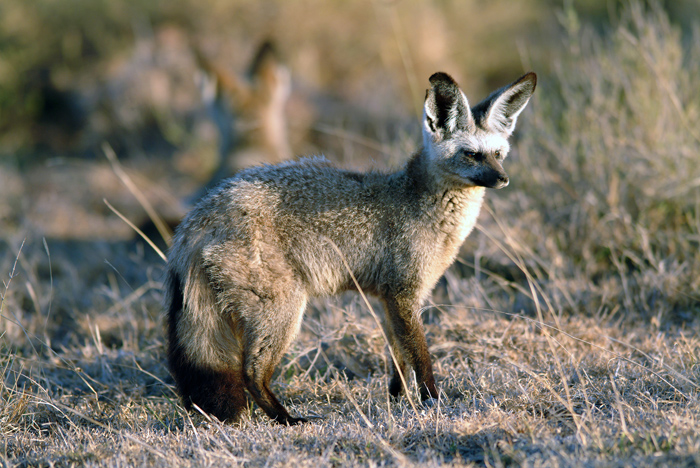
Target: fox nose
(502,181)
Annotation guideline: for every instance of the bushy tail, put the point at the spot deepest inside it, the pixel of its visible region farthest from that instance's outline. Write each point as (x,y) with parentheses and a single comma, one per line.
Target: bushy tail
(217,392)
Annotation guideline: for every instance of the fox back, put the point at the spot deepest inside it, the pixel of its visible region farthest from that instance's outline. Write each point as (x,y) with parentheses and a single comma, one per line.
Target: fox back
(245,261)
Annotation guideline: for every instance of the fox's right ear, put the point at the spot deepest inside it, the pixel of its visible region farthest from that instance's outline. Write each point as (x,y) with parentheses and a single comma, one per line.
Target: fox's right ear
(505,105)
(446,109)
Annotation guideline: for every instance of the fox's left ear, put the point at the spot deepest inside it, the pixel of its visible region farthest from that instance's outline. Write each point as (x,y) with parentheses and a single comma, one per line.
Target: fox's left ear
(501,108)
(445,110)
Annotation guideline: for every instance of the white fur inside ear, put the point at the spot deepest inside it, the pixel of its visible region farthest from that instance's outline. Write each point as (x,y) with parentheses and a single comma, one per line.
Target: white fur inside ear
(430,119)
(452,115)
(465,101)
(467,110)
(463,105)
(505,110)
(440,122)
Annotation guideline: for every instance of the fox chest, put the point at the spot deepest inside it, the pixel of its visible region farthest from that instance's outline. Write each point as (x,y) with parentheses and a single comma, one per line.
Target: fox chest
(459,212)
(454,222)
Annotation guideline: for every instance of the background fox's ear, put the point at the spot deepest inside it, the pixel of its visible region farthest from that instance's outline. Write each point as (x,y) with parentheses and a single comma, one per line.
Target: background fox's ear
(268,73)
(446,108)
(501,108)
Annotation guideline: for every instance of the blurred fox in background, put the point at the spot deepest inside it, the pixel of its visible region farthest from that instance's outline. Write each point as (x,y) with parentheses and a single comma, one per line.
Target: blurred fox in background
(248,111)
(250,116)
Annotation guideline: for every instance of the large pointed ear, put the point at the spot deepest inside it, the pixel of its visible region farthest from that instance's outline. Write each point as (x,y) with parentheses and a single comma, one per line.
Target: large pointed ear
(446,108)
(501,109)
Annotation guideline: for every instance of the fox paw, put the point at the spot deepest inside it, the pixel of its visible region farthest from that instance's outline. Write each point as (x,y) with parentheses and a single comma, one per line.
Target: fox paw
(430,402)
(294,421)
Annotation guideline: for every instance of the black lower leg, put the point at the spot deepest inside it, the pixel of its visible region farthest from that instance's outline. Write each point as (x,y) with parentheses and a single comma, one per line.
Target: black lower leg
(268,402)
(397,384)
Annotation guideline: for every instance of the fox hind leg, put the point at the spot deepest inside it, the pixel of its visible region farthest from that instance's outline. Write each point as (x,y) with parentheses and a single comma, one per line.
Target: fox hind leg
(268,332)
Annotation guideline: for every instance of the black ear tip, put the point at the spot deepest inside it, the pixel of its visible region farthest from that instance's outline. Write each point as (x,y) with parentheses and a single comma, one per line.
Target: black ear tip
(441,77)
(530,77)
(266,54)
(268,47)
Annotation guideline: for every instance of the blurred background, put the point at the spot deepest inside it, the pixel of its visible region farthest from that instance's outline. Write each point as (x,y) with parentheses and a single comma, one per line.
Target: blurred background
(78,73)
(604,201)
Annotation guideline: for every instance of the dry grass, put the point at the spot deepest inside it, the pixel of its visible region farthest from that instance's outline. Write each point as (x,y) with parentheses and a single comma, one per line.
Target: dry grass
(567,335)
(515,390)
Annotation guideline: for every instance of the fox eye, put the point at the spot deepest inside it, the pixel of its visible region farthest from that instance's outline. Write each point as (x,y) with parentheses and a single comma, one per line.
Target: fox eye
(469,154)
(498,154)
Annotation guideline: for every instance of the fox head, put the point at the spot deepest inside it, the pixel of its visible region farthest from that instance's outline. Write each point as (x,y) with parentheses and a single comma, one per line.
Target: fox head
(467,145)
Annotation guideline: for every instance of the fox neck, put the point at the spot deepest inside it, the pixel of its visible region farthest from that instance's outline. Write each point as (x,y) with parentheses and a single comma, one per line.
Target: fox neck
(451,207)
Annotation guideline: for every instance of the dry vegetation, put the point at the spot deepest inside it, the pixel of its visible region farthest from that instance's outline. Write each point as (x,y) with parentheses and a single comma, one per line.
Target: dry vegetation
(566,335)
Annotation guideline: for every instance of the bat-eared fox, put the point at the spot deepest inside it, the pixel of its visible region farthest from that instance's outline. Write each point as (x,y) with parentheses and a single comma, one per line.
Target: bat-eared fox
(251,253)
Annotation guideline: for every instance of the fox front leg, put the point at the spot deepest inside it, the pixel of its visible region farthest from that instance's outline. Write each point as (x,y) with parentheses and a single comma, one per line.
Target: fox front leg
(409,345)
(400,369)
